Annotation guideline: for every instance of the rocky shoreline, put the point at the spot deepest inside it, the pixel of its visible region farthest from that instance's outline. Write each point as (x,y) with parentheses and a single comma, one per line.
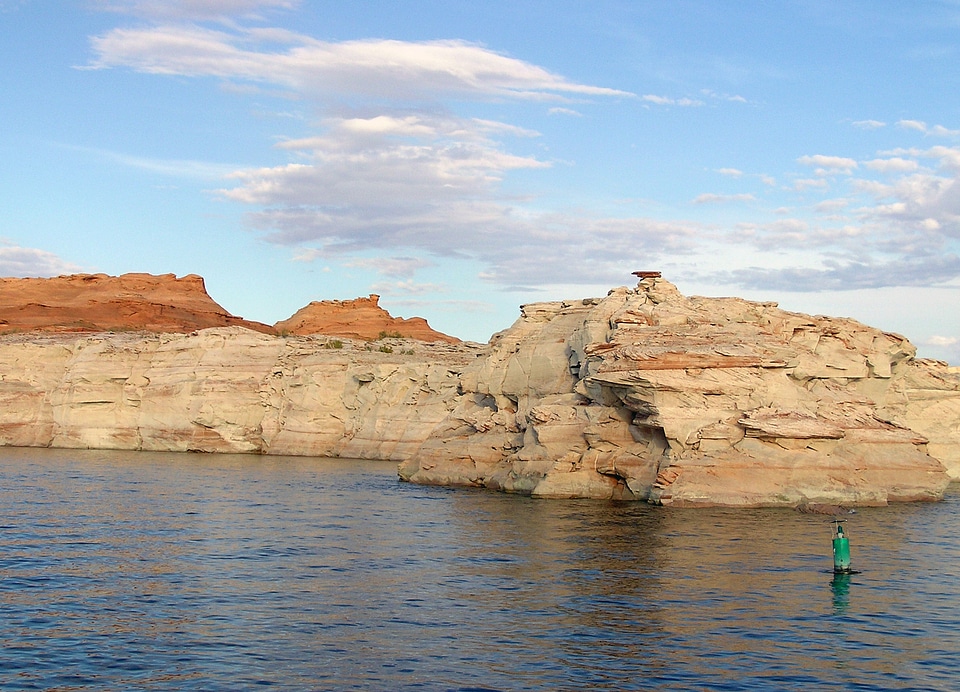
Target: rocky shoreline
(644,394)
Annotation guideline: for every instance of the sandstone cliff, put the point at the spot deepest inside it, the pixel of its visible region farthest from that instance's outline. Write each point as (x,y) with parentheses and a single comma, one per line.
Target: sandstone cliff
(689,401)
(226,390)
(643,394)
(168,304)
(362,318)
(101,303)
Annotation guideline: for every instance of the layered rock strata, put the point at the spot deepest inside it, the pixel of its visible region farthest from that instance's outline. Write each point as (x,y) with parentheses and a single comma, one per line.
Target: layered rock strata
(226,390)
(361,318)
(102,303)
(643,394)
(170,304)
(698,401)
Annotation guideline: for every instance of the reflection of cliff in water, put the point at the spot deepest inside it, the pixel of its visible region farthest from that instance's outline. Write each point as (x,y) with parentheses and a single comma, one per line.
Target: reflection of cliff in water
(590,572)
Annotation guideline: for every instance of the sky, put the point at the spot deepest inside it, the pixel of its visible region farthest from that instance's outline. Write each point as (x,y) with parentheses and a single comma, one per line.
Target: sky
(460,159)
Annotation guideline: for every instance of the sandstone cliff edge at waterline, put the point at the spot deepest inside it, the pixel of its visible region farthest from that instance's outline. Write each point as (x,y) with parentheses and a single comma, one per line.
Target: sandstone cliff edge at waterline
(643,394)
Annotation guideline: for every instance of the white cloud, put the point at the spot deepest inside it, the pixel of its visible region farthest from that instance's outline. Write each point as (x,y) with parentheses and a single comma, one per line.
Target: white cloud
(411,168)
(920,126)
(846,275)
(408,287)
(868,124)
(830,206)
(564,111)
(320,69)
(431,184)
(943,340)
(180,168)
(388,170)
(810,184)
(733,98)
(670,101)
(917,125)
(398,267)
(829,164)
(941,131)
(949,157)
(167,10)
(24,262)
(712,198)
(892,165)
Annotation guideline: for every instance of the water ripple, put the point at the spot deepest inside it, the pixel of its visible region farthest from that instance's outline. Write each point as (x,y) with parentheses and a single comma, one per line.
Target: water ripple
(175,571)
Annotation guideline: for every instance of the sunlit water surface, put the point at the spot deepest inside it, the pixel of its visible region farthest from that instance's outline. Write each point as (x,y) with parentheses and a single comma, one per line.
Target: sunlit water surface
(178,571)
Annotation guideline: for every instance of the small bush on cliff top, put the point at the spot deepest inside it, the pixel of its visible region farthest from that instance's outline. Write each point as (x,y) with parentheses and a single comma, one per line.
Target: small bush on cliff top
(386,349)
(389,335)
(335,343)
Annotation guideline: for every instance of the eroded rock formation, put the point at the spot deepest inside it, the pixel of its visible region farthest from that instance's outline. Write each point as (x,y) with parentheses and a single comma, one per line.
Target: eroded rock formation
(226,390)
(698,401)
(101,303)
(643,394)
(362,318)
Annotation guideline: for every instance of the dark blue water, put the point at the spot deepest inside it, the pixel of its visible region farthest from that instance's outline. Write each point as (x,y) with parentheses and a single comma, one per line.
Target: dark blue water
(142,571)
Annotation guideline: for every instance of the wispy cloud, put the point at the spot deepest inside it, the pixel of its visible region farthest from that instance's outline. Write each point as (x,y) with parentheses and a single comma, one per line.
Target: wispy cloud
(670,101)
(943,340)
(24,261)
(167,10)
(712,198)
(559,110)
(828,165)
(386,168)
(396,267)
(403,70)
(892,165)
(917,125)
(180,168)
(407,287)
(920,126)
(842,276)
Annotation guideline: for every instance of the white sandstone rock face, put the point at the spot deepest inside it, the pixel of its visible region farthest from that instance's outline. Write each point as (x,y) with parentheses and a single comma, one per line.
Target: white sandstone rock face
(225,389)
(698,401)
(643,394)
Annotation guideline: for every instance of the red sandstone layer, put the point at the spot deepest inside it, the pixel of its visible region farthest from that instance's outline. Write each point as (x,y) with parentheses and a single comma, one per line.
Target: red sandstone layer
(145,302)
(362,318)
(98,303)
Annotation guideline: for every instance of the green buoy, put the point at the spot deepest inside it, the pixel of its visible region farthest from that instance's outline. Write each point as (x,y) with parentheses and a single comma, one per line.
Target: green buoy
(841,549)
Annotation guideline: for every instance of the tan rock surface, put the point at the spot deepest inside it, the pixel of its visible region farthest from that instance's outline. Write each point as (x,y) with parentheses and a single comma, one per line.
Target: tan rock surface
(643,394)
(225,389)
(101,303)
(698,401)
(362,318)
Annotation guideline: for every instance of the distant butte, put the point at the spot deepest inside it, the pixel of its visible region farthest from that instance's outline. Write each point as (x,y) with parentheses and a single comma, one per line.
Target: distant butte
(168,304)
(362,318)
(102,303)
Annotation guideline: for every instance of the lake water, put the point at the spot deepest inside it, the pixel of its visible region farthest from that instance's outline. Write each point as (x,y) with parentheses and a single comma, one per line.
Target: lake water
(143,571)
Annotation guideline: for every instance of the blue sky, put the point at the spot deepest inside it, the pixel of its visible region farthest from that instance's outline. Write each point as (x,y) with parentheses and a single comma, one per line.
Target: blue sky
(462,158)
